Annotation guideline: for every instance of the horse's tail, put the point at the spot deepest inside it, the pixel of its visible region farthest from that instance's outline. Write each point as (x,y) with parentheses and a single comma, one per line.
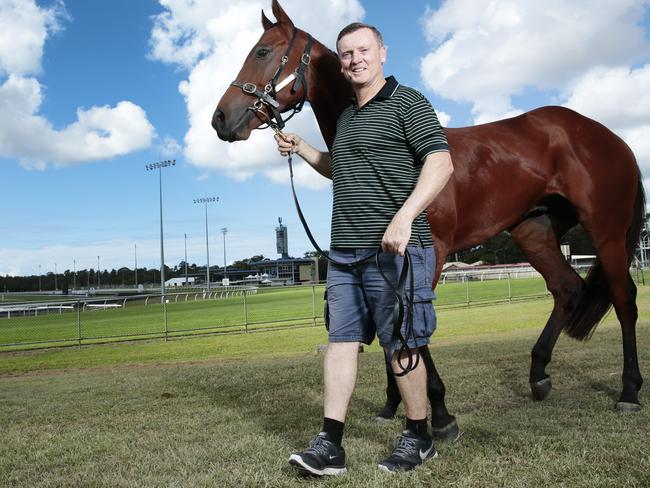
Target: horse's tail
(594,300)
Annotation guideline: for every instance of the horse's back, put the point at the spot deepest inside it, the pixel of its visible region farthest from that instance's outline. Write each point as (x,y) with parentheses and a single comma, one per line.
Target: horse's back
(505,168)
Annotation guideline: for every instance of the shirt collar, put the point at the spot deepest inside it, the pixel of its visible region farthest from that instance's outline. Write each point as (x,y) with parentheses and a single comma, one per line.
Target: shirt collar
(385,93)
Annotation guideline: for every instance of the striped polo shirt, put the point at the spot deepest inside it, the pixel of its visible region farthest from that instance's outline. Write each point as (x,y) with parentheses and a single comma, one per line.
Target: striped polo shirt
(377,156)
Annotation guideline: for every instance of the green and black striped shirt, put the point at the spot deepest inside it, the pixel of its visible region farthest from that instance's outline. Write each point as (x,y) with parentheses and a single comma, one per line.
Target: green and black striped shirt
(377,156)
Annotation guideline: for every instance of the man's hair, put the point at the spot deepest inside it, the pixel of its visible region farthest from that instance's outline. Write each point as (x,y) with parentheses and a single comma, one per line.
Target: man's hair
(355,26)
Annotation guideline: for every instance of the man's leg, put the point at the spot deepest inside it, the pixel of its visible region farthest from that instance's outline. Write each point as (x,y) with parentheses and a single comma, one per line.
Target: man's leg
(412,386)
(325,456)
(415,444)
(340,372)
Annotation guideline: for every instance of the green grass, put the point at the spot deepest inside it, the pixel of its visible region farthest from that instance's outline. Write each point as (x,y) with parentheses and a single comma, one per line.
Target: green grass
(228,410)
(275,307)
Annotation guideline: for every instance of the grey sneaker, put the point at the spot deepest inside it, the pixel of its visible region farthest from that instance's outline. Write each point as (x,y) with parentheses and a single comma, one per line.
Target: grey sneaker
(411,451)
(321,458)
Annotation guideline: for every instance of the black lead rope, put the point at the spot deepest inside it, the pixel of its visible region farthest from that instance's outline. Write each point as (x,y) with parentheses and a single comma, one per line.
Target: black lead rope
(398,291)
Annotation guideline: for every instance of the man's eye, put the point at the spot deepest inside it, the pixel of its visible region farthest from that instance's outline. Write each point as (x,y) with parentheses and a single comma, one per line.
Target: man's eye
(262,52)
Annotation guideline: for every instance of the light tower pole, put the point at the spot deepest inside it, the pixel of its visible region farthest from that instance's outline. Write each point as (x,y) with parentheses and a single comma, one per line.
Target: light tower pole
(159,166)
(205,201)
(224,231)
(39,278)
(55,285)
(186,283)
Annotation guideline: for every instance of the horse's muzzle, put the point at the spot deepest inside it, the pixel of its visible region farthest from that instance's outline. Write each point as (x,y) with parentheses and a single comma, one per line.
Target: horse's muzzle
(227,132)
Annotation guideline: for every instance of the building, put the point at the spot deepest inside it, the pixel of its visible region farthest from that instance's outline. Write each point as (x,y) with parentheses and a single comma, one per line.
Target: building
(175,282)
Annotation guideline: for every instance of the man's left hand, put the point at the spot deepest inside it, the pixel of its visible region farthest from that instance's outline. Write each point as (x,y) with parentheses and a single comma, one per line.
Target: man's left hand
(397,235)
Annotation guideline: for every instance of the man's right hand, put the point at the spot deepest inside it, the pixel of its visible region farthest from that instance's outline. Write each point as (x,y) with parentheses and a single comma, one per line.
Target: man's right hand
(287,143)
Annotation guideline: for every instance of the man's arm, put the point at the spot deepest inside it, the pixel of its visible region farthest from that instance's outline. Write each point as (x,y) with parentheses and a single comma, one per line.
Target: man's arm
(321,161)
(436,171)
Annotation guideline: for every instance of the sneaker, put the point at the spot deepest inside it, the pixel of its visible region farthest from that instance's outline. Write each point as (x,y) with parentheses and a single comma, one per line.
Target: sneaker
(411,451)
(321,458)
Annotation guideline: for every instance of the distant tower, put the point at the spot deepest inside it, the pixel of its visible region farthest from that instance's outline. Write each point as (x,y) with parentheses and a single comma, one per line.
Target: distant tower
(282,240)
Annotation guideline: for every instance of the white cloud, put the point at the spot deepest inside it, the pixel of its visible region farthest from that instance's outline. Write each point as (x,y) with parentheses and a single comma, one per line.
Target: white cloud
(618,97)
(169,147)
(98,133)
(444,118)
(24,27)
(484,53)
(211,38)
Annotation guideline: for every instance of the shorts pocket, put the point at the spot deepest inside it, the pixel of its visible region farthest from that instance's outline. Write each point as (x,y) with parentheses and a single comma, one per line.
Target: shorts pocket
(326,312)
(423,268)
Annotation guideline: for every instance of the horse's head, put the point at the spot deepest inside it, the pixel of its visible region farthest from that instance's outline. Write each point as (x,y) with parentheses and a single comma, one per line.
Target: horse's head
(271,81)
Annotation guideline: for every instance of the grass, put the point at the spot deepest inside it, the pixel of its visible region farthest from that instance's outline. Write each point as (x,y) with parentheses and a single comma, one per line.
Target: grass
(271,306)
(228,410)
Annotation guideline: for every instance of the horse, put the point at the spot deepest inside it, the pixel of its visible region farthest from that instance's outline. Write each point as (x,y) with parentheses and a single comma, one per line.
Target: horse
(536,175)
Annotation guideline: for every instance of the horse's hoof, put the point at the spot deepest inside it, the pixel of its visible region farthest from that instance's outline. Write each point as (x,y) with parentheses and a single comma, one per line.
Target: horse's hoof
(628,407)
(449,432)
(540,389)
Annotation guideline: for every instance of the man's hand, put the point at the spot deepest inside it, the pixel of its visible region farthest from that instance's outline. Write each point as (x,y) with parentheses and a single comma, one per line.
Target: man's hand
(397,235)
(287,143)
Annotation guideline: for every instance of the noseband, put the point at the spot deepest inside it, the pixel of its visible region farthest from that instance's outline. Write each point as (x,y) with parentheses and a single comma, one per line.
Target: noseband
(267,96)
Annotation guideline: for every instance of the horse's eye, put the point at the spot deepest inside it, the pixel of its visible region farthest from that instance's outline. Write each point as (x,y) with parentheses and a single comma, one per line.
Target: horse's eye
(262,52)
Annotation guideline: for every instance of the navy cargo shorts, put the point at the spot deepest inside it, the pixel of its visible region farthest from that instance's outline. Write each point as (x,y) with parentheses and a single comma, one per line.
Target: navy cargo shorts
(360,304)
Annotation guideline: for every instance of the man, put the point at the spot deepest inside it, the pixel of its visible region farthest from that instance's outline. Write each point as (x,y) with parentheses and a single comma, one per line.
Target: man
(389,160)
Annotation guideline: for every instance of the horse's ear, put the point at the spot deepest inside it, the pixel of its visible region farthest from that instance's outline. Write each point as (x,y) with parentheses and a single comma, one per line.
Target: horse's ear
(266,23)
(280,14)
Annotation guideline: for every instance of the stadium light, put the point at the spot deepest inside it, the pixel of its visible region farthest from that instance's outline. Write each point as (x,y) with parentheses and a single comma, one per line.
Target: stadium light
(225,268)
(151,167)
(205,201)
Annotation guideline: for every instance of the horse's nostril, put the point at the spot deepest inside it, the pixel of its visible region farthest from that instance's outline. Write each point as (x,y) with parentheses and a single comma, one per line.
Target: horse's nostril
(218,119)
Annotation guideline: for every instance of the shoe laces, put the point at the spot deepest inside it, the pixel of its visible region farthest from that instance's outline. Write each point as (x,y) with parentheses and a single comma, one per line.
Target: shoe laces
(406,446)
(318,446)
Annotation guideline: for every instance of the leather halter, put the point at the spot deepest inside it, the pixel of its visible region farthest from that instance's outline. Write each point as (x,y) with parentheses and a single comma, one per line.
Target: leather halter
(266,97)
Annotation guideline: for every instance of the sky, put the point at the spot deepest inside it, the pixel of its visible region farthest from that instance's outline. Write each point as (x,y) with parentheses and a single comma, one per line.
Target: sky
(92,91)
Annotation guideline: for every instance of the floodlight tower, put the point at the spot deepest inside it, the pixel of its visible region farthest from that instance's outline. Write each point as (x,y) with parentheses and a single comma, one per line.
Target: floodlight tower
(159,166)
(205,201)
(225,268)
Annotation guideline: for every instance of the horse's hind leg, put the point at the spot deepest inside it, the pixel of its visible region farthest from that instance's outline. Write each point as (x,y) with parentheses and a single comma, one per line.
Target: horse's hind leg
(537,238)
(612,255)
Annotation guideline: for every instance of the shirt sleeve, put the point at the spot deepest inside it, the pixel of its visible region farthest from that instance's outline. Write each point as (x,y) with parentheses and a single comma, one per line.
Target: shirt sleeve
(423,131)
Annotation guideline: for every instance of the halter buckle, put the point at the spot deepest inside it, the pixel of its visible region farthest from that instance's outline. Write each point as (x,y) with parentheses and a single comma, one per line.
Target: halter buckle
(305,59)
(249,88)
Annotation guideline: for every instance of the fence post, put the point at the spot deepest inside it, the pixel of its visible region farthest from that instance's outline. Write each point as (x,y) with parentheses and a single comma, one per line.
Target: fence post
(245,312)
(509,289)
(313,302)
(164,300)
(79,323)
(467,288)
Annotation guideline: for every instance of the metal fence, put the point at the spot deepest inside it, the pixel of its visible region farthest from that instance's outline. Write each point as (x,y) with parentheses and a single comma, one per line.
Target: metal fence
(83,320)
(70,321)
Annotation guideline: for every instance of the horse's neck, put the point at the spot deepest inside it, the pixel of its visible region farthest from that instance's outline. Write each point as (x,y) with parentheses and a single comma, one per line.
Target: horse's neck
(329,91)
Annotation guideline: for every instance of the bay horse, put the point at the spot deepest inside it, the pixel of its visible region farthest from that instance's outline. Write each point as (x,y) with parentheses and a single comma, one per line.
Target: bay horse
(535,175)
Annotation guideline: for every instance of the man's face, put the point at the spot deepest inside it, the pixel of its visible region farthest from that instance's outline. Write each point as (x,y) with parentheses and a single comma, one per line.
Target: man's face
(361,57)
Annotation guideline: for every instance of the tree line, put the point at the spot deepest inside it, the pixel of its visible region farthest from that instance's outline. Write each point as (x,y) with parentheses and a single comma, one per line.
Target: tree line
(500,249)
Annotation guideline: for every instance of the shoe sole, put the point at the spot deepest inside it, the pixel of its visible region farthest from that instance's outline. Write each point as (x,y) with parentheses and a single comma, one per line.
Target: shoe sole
(296,461)
(393,471)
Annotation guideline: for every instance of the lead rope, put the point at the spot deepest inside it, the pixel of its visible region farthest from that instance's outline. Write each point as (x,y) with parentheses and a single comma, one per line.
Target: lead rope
(398,291)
